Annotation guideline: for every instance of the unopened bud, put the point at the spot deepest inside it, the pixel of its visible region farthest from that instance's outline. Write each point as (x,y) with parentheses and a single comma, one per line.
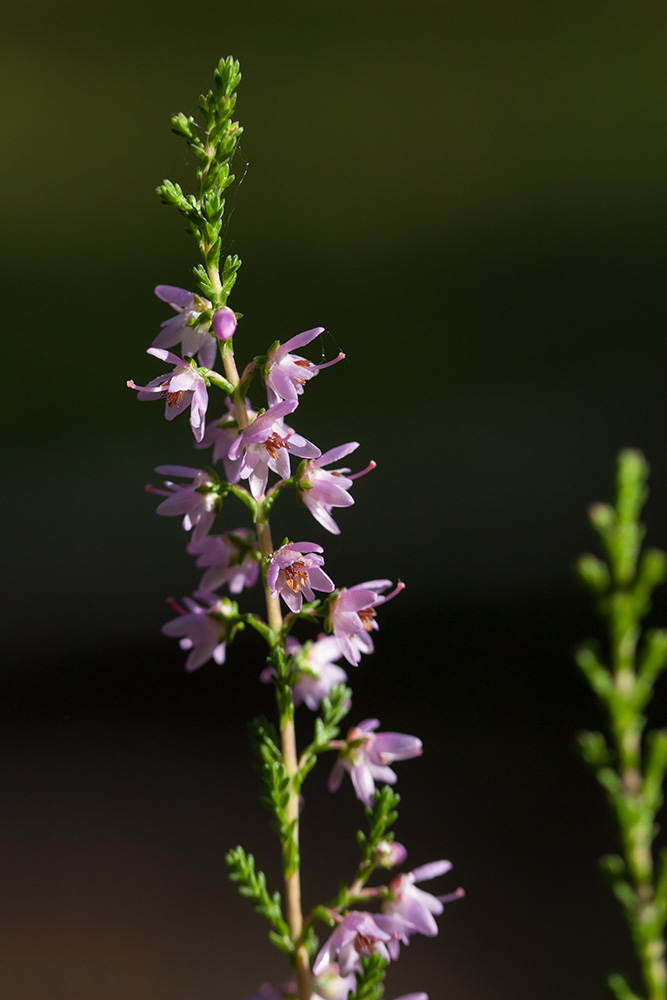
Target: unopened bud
(224,323)
(389,854)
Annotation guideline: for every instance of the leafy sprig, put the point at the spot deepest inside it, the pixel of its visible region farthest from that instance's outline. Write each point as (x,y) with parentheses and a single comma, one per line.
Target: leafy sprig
(214,145)
(380,818)
(333,709)
(252,885)
(630,765)
(275,788)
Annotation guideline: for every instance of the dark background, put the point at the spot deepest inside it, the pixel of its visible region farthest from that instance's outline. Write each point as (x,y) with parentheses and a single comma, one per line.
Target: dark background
(471,198)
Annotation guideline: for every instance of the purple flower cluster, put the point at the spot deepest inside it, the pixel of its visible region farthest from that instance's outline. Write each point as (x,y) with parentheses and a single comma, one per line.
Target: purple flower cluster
(405,911)
(251,446)
(250,453)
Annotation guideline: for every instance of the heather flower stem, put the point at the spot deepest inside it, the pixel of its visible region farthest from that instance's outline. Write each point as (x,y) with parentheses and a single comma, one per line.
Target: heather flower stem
(286,713)
(291,763)
(231,371)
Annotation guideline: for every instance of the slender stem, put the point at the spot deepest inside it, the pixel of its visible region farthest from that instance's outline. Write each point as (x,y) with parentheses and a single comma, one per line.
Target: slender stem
(231,371)
(287,733)
(290,760)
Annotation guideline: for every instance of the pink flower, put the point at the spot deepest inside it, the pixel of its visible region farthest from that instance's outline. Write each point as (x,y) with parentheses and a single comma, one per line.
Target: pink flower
(366,756)
(193,336)
(322,489)
(204,630)
(285,373)
(318,673)
(351,616)
(184,387)
(294,571)
(358,934)
(414,909)
(198,501)
(232,559)
(266,444)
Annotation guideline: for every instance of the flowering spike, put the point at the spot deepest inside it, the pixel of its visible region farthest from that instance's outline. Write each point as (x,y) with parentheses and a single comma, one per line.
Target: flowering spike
(245,444)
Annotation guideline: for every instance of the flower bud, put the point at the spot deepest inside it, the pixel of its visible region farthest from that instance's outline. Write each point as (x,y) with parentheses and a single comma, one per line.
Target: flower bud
(389,854)
(224,323)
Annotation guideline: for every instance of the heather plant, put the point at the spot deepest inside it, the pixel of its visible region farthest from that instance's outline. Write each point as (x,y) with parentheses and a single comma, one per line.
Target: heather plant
(630,761)
(250,454)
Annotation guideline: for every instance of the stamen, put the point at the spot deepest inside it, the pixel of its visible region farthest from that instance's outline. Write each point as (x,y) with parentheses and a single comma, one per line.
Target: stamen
(173,398)
(274,443)
(367,615)
(296,576)
(363,943)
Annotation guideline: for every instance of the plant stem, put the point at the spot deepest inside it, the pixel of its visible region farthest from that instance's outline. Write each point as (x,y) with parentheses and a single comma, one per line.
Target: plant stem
(290,760)
(287,734)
